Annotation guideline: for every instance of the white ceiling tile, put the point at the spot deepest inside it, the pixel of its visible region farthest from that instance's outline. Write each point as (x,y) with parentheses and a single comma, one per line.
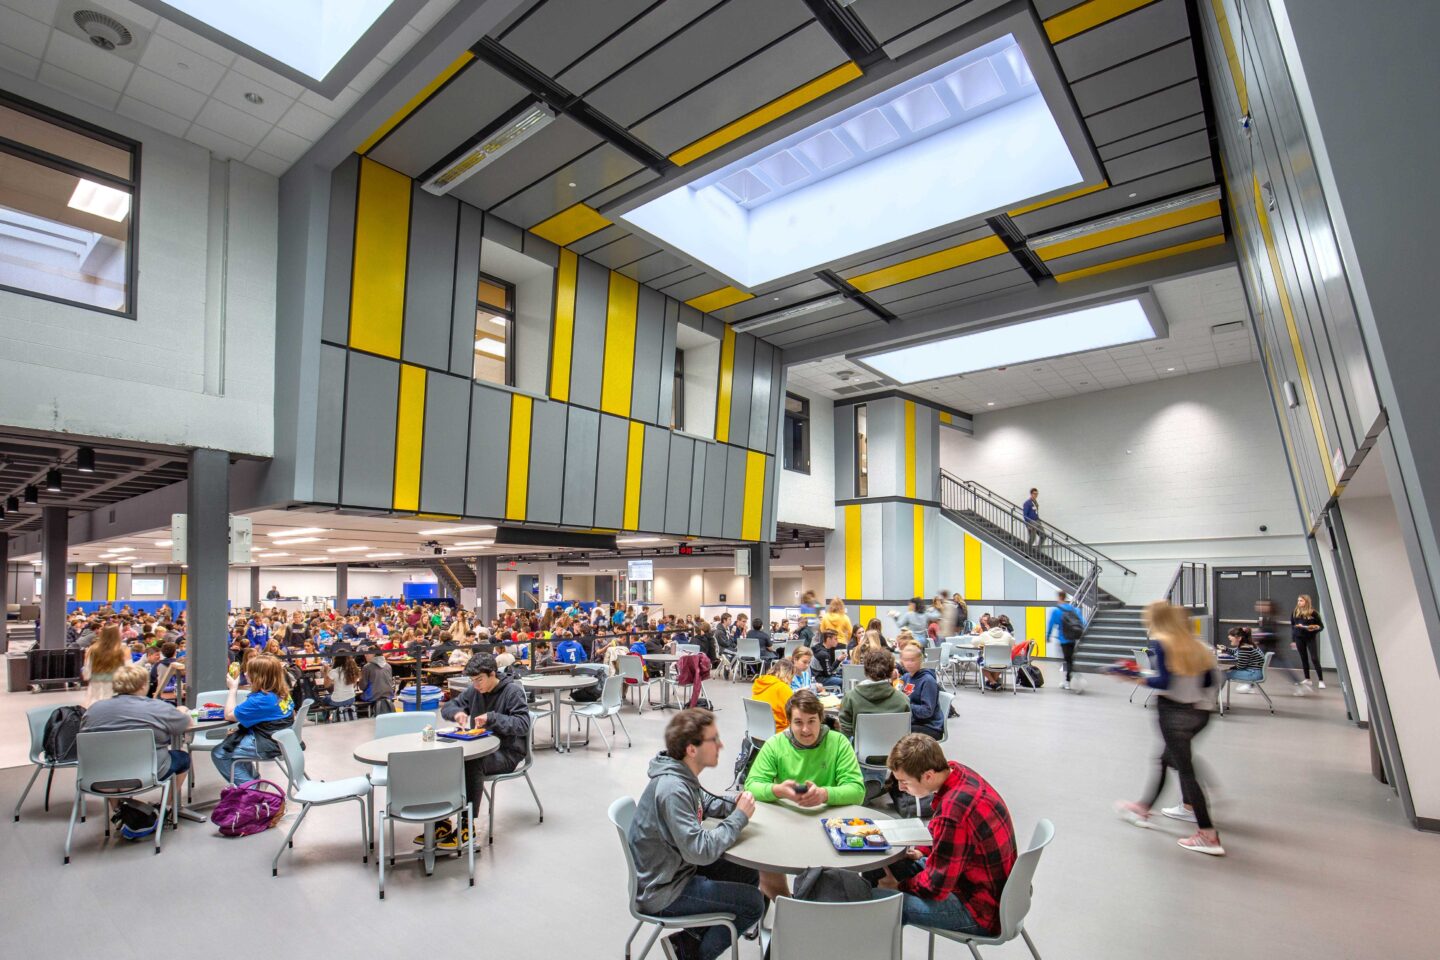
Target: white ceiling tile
(237,125)
(430,14)
(164,93)
(336,108)
(23,33)
(265,75)
(133,12)
(152,115)
(76,86)
(224,148)
(305,121)
(263,161)
(283,144)
(191,41)
(234,86)
(88,61)
(398,44)
(181,64)
(18,63)
(43,10)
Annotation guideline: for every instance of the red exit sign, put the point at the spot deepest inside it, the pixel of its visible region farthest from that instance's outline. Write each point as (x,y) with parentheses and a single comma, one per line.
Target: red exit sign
(685,550)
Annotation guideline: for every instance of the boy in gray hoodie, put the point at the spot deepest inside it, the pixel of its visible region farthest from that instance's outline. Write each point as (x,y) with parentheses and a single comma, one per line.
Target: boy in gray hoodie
(679,862)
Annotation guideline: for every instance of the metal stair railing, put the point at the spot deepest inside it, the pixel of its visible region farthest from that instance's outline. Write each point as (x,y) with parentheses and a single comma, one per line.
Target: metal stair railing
(1190,587)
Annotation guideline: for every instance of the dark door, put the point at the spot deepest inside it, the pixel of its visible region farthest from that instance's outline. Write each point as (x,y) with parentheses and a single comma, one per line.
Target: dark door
(1239,590)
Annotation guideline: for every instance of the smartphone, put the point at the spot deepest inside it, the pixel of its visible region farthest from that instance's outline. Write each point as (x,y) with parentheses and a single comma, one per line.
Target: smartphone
(802,788)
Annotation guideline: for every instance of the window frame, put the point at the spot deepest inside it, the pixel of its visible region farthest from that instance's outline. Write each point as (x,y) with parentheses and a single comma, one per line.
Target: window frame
(862,450)
(509,314)
(789,456)
(677,394)
(63,165)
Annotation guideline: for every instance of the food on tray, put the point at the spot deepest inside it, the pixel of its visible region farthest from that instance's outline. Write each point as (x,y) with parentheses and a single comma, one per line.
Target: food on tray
(858,822)
(869,830)
(854,841)
(875,840)
(832,822)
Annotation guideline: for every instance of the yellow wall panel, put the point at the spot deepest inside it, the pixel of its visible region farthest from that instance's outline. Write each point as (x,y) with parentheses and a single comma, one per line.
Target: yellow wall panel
(84,587)
(517,489)
(973,576)
(619,379)
(854,567)
(564,344)
(571,224)
(1035,618)
(184,582)
(919,560)
(634,460)
(754,495)
(867,613)
(409,437)
(382,231)
(726,385)
(718,299)
(112,582)
(909,448)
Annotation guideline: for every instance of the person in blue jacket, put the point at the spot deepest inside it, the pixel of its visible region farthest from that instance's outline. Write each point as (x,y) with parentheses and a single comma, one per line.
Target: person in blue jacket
(920,685)
(1033,534)
(570,650)
(1055,627)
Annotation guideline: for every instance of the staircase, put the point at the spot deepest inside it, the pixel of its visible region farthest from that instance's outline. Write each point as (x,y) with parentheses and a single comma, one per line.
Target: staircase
(454,575)
(1114,633)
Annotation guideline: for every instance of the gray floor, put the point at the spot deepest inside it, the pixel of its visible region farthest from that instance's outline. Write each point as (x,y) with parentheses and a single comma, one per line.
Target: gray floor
(1321,863)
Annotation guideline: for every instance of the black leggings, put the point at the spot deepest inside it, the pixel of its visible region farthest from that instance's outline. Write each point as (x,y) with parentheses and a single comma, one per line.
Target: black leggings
(1307,643)
(1068,651)
(1179,723)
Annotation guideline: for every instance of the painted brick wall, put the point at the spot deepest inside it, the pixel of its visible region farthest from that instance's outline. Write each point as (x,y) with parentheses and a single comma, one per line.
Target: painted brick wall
(810,499)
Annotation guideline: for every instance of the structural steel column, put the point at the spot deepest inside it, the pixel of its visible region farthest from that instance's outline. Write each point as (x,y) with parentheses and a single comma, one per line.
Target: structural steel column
(55,533)
(207,557)
(760,585)
(4,579)
(342,587)
(255,597)
(486,584)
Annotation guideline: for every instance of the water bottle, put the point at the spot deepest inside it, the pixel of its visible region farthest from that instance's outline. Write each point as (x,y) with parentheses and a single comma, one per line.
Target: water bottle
(428,734)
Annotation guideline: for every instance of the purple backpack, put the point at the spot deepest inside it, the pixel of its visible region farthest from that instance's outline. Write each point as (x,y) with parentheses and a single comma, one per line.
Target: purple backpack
(248,808)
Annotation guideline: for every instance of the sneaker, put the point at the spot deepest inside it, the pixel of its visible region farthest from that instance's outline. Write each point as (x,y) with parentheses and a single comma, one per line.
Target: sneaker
(681,945)
(1065,685)
(443,829)
(1200,844)
(1245,688)
(453,840)
(1300,690)
(1322,684)
(1306,683)
(1179,812)
(1133,813)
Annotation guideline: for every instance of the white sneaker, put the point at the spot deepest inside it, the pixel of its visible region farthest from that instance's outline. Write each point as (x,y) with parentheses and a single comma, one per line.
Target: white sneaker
(1245,688)
(1179,812)
(1300,690)
(1322,684)
(1306,683)
(1133,813)
(1065,685)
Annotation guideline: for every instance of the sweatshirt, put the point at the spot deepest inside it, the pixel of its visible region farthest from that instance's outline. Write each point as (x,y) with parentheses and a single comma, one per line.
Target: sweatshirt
(830,763)
(870,696)
(776,692)
(506,714)
(668,837)
(924,691)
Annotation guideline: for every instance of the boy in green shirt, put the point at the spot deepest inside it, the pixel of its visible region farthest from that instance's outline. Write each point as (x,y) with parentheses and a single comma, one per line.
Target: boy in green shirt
(808,763)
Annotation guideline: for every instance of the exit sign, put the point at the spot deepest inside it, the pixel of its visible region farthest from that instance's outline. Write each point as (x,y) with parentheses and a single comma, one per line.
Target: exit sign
(685,550)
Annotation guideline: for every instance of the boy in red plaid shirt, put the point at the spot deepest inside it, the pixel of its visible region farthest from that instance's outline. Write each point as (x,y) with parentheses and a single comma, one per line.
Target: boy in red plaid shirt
(961,874)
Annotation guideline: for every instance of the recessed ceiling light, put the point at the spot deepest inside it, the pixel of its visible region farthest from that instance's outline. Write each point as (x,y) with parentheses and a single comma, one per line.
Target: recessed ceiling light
(100,200)
(989,403)
(252,97)
(475,543)
(297,532)
(273,553)
(349,549)
(292,542)
(572,183)
(637,539)
(1169,369)
(442,531)
(388,553)
(164,543)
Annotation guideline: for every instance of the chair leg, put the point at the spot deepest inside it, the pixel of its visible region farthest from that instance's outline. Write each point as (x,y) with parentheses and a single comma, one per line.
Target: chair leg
(631,939)
(616,718)
(1271,703)
(469,815)
(490,830)
(645,951)
(26,792)
(1029,943)
(164,808)
(364,831)
(974,951)
(49,779)
(70,834)
(380,853)
(275,864)
(370,815)
(931,954)
(538,805)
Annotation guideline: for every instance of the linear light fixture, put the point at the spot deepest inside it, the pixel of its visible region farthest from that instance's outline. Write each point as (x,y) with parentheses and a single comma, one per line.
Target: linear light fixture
(388,553)
(164,543)
(472,528)
(100,200)
(637,539)
(799,310)
(490,346)
(475,543)
(297,532)
(1207,195)
(349,549)
(272,553)
(531,119)
(291,543)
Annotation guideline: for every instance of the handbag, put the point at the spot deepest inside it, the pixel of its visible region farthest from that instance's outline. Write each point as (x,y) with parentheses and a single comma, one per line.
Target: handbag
(248,808)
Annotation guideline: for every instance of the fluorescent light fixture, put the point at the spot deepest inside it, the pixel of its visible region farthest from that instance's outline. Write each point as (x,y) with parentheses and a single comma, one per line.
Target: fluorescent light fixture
(92,564)
(388,553)
(475,543)
(1195,198)
(100,200)
(966,137)
(291,543)
(1079,331)
(799,310)
(272,553)
(310,36)
(442,531)
(349,549)
(637,539)
(297,532)
(164,543)
(493,347)
(530,120)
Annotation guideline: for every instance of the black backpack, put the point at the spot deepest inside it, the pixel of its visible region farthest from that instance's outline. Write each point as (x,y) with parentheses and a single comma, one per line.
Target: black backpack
(831,885)
(135,819)
(1071,626)
(1029,675)
(60,732)
(591,693)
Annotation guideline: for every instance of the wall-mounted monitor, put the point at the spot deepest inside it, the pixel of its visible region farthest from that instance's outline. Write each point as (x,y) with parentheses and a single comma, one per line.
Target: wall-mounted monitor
(642,570)
(147,586)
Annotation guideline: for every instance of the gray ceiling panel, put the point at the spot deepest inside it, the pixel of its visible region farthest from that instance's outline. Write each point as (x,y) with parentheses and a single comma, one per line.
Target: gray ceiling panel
(1162,156)
(1129,81)
(472,101)
(649,31)
(702,50)
(559,32)
(632,182)
(656,265)
(887,19)
(945,278)
(937,26)
(1048,8)
(599,238)
(854,321)
(771,73)
(623,251)
(694,287)
(912,251)
(1131,118)
(962,293)
(1151,137)
(1148,28)
(601,167)
(1129,248)
(775,300)
(667,280)
(560,142)
(1101,202)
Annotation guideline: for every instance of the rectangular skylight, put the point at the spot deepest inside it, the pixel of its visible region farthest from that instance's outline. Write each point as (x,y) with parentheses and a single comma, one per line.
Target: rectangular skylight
(310,36)
(1079,331)
(964,138)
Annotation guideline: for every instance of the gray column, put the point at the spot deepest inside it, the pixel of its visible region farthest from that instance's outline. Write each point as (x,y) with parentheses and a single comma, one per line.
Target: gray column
(486,583)
(255,595)
(207,557)
(760,584)
(342,586)
(4,581)
(54,536)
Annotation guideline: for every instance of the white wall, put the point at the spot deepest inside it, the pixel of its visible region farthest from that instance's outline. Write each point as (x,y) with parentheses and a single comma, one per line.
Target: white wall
(810,499)
(1186,468)
(196,366)
(311,582)
(702,365)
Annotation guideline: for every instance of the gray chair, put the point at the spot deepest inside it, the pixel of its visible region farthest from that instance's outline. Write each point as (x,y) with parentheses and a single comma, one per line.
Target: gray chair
(933,657)
(947,699)
(427,786)
(114,764)
(747,653)
(964,660)
(1258,684)
(683,648)
(205,741)
(318,793)
(521,771)
(789,647)
(622,813)
(612,696)
(995,658)
(759,720)
(851,674)
(1014,900)
(1143,664)
(38,717)
(808,930)
(876,733)
(632,671)
(393,725)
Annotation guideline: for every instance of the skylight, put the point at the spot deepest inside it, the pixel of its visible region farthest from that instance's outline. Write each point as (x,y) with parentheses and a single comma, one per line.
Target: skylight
(1079,331)
(969,136)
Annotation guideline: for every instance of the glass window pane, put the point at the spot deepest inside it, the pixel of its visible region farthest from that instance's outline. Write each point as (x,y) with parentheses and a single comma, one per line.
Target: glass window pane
(494,295)
(63,236)
(492,342)
(862,453)
(62,142)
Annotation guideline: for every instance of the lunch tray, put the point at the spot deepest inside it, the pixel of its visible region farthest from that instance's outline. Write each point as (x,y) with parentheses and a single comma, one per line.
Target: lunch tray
(208,715)
(456,735)
(838,837)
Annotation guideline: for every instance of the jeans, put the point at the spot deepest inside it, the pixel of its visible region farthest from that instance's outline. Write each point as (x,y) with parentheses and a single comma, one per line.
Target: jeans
(1067,650)
(1248,676)
(227,759)
(1033,534)
(720,887)
(179,763)
(946,914)
(1179,724)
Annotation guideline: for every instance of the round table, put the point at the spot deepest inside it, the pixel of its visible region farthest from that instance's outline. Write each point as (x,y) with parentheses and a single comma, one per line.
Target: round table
(556,684)
(666,660)
(785,838)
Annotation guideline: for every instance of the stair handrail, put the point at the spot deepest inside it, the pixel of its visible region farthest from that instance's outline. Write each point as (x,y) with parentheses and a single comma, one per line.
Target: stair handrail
(1190,587)
(1087,595)
(1049,529)
(450,575)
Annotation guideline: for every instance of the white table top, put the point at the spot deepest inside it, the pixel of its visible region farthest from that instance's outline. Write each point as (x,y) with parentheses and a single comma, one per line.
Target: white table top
(378,751)
(785,838)
(557,681)
(662,657)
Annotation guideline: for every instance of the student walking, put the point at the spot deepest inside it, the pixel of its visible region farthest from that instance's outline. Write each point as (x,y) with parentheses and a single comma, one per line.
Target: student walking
(1067,625)
(1033,535)
(1305,627)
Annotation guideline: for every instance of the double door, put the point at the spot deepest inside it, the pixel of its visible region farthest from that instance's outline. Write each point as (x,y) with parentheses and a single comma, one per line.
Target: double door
(1240,594)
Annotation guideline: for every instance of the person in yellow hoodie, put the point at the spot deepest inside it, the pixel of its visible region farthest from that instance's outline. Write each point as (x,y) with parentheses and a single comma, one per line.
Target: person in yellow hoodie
(773,687)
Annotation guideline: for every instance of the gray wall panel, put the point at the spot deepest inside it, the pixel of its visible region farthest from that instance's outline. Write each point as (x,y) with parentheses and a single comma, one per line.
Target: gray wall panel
(666,400)
(1019,584)
(610,477)
(897,550)
(506,234)
(654,478)
(430,279)
(489,451)
(763,371)
(582,441)
(712,508)
(443,462)
(329,422)
(734,515)
(467,276)
(547,452)
(371,396)
(740,389)
(697,486)
(339,249)
(777,403)
(678,486)
(845,452)
(649,344)
(592,291)
(767,516)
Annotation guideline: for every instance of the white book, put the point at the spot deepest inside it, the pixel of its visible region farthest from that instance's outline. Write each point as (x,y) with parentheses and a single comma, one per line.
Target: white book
(910,832)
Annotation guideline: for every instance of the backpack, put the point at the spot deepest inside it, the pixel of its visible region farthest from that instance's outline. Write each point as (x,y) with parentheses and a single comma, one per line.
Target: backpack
(1029,675)
(247,808)
(748,752)
(60,732)
(1071,626)
(590,694)
(831,885)
(135,819)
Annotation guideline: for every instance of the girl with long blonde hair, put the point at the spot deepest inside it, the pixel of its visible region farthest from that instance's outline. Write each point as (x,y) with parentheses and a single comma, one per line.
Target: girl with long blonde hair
(102,658)
(1305,627)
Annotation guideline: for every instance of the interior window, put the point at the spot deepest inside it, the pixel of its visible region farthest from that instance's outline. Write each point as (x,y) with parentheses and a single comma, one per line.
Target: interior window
(494,331)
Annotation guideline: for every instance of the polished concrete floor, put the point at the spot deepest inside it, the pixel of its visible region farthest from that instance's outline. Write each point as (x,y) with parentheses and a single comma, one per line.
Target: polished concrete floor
(1321,863)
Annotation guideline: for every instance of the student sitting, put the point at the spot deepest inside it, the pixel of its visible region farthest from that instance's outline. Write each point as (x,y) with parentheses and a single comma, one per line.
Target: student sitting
(828,657)
(265,712)
(342,677)
(773,687)
(130,709)
(803,678)
(1249,659)
(377,681)
(496,703)
(923,689)
(874,694)
(570,651)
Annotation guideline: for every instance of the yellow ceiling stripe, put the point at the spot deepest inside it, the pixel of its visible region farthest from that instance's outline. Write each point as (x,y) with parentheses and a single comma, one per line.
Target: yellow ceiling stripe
(718,299)
(571,224)
(1129,231)
(1214,241)
(413,104)
(946,259)
(776,108)
(1227,40)
(1102,185)
(1087,15)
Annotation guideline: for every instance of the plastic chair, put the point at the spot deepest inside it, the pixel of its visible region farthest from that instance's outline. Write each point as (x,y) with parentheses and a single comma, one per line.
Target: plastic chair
(1143,664)
(964,659)
(687,648)
(995,658)
(523,770)
(747,653)
(876,733)
(632,671)
(808,930)
(318,793)
(622,813)
(933,657)
(612,696)
(427,786)
(851,674)
(1022,660)
(393,725)
(1258,684)
(205,741)
(946,700)
(38,717)
(114,764)
(789,647)
(759,720)
(1014,900)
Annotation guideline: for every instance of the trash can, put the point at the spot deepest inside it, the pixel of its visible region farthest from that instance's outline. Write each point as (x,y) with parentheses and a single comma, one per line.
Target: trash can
(17,671)
(429,699)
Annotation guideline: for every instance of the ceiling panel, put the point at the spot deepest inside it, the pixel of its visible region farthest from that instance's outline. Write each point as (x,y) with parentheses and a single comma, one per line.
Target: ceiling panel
(1162,156)
(588,174)
(775,300)
(622,251)
(635,181)
(695,286)
(1136,78)
(1159,108)
(1148,28)
(599,238)
(945,278)
(843,320)
(931,25)
(963,292)
(640,36)
(1135,193)
(1128,248)
(905,250)
(1151,137)
(556,33)
(557,144)
(658,264)
(472,101)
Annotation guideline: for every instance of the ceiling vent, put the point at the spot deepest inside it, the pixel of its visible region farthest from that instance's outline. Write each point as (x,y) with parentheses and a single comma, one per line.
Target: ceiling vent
(1221,329)
(104,31)
(102,28)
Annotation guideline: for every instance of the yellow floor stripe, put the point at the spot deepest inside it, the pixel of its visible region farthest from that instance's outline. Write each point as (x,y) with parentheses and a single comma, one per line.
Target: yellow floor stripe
(727,382)
(854,566)
(919,559)
(909,448)
(564,327)
(1103,184)
(619,378)
(413,104)
(633,463)
(1214,241)
(776,108)
(517,490)
(1079,19)
(719,299)
(946,259)
(409,437)
(754,495)
(377,290)
(571,224)
(1129,231)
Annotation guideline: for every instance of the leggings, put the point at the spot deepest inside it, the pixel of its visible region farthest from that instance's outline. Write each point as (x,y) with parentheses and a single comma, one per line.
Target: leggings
(1306,642)
(1179,723)
(1068,651)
